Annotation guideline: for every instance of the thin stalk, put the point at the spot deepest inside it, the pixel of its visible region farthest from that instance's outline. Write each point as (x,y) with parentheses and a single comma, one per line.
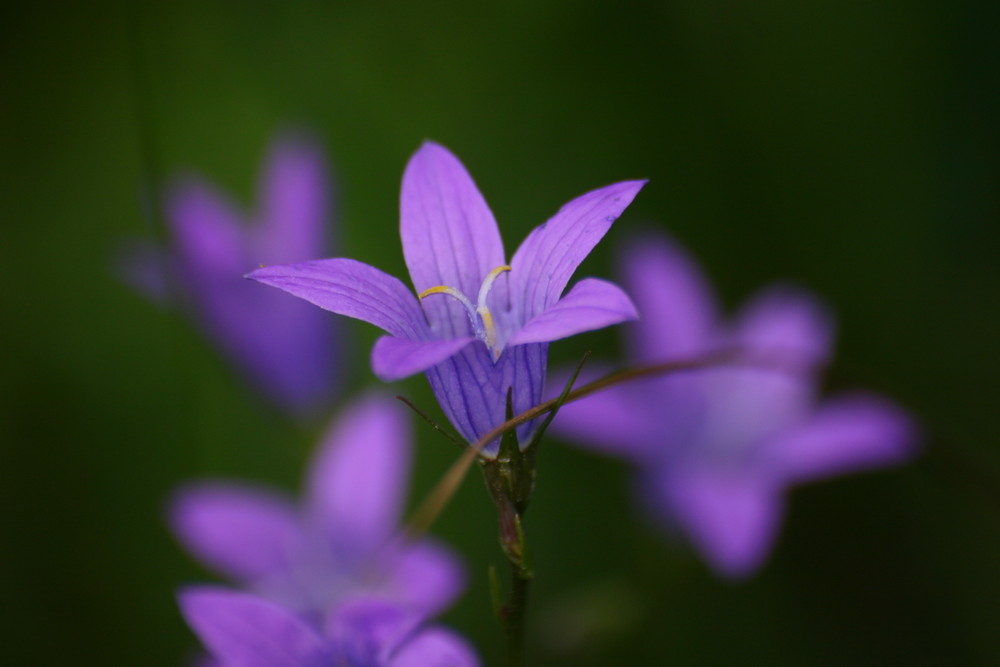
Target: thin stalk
(514,615)
(427,512)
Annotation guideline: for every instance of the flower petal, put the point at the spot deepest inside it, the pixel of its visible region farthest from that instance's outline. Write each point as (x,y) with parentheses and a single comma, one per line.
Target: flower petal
(545,261)
(472,390)
(241,629)
(294,202)
(435,647)
(287,354)
(731,518)
(396,358)
(846,433)
(369,629)
(426,577)
(591,304)
(469,387)
(351,288)
(243,532)
(675,303)
(618,421)
(744,406)
(207,230)
(788,321)
(358,479)
(449,234)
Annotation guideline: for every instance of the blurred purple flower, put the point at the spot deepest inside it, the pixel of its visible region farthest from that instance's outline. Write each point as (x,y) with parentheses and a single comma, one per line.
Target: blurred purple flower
(342,541)
(248,631)
(475,336)
(284,348)
(716,449)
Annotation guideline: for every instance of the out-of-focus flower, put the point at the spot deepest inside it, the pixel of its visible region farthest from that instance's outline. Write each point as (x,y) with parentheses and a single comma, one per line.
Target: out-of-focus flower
(285,349)
(717,449)
(342,541)
(248,631)
(477,334)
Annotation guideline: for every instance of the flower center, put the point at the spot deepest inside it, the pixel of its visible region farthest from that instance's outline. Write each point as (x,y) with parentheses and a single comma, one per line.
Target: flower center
(479,314)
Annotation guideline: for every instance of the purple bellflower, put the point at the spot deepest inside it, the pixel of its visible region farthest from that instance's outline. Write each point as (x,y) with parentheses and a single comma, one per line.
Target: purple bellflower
(285,349)
(243,630)
(341,542)
(478,325)
(716,449)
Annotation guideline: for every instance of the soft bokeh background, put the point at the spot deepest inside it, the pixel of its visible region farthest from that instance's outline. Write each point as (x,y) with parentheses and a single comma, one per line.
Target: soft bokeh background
(849,146)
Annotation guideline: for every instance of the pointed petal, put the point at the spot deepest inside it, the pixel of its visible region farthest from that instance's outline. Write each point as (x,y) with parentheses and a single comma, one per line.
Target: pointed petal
(616,421)
(208,254)
(286,355)
(396,358)
(731,518)
(449,234)
(357,482)
(543,265)
(846,433)
(435,647)
(675,303)
(591,304)
(472,390)
(426,577)
(207,230)
(241,629)
(677,320)
(351,288)
(786,320)
(294,202)
(243,532)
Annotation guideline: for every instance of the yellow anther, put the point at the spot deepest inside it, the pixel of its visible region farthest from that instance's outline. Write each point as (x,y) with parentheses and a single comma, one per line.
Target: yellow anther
(440,289)
(492,275)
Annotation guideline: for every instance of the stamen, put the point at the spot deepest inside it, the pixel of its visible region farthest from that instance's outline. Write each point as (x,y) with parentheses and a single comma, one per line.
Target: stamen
(450,291)
(454,293)
(487,330)
(487,285)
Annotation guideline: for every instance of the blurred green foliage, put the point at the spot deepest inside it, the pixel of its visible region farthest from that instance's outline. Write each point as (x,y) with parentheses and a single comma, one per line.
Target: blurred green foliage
(851,147)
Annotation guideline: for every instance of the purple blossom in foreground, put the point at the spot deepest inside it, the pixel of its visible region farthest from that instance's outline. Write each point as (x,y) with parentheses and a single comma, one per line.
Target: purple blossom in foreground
(341,542)
(717,449)
(475,332)
(247,631)
(284,348)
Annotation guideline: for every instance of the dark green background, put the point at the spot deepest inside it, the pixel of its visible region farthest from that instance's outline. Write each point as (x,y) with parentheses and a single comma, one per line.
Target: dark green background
(849,146)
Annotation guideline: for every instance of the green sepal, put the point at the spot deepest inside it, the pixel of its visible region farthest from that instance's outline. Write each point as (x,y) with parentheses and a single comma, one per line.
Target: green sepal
(510,449)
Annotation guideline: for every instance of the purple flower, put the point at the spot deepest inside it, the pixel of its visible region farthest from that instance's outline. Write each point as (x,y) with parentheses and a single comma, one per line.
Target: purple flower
(481,326)
(341,542)
(247,631)
(283,348)
(717,449)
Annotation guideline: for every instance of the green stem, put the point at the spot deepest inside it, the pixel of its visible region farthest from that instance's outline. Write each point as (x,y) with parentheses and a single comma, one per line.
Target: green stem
(515,613)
